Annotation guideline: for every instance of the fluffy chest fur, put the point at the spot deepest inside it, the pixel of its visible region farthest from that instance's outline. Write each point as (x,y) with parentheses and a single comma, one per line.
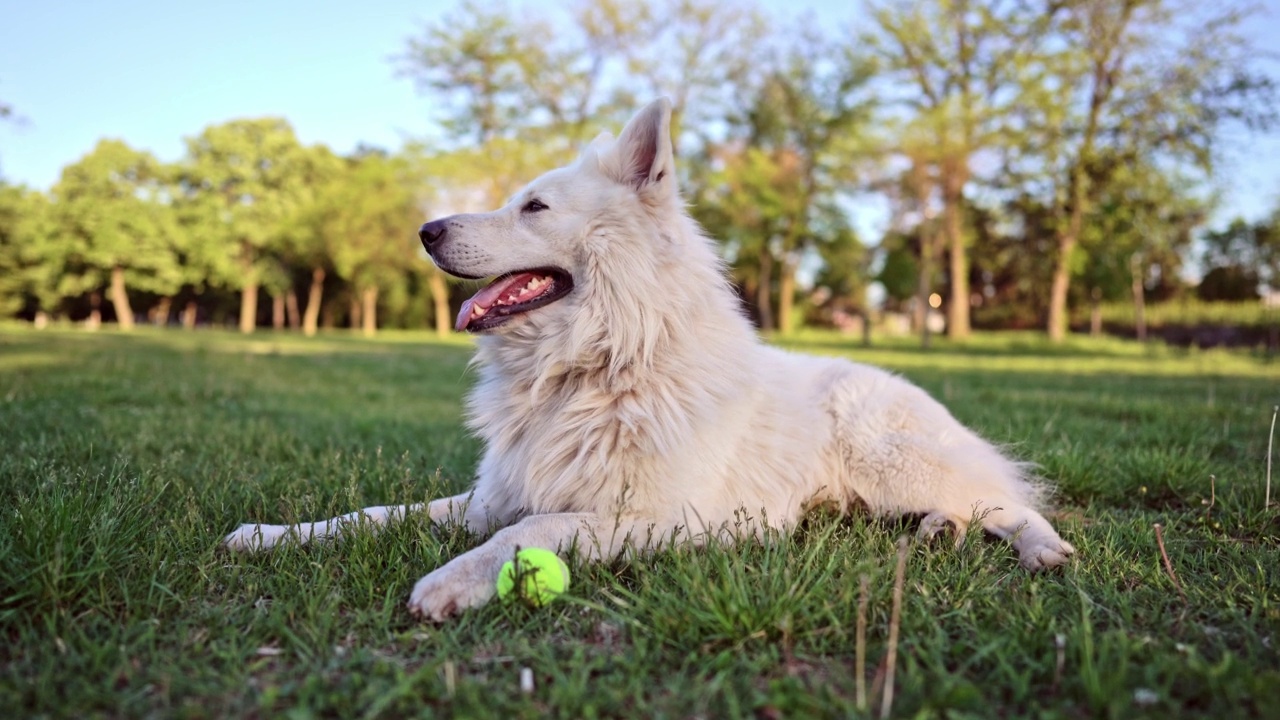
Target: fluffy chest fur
(694,436)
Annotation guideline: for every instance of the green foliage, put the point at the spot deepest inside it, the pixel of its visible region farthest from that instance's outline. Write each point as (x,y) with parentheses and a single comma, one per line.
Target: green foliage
(1044,153)
(19,263)
(110,211)
(958,69)
(1232,283)
(1239,258)
(307,237)
(774,188)
(372,214)
(127,459)
(1143,217)
(1140,90)
(487,70)
(240,182)
(900,269)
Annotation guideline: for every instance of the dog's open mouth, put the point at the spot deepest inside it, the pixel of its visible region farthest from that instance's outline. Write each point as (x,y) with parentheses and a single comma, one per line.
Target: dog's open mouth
(511,295)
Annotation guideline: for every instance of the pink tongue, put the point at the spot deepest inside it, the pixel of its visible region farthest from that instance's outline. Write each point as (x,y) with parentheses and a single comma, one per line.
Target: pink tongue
(490,295)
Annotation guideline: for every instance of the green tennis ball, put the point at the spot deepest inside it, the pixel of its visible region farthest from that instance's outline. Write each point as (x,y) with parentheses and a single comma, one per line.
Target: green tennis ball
(536,576)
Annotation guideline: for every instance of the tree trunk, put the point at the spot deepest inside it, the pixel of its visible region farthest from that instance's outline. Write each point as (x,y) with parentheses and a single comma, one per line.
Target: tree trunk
(353,311)
(1102,85)
(162,311)
(924,286)
(277,312)
(120,299)
(291,309)
(1095,313)
(1058,289)
(369,313)
(958,312)
(327,318)
(313,303)
(189,315)
(249,306)
(786,297)
(440,298)
(95,311)
(764,300)
(1139,299)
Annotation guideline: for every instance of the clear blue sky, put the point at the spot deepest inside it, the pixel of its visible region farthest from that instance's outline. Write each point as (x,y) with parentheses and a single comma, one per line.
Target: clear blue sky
(151,72)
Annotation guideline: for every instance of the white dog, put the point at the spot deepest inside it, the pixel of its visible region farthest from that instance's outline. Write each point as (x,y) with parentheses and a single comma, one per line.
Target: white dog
(625,401)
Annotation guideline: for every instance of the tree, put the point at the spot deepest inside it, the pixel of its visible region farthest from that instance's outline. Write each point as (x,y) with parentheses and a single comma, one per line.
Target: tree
(111,215)
(774,195)
(1142,221)
(374,211)
(960,65)
(309,238)
(1136,80)
(1266,239)
(845,270)
(499,76)
(12,280)
(16,261)
(813,110)
(899,269)
(747,204)
(241,181)
(704,54)
(1240,258)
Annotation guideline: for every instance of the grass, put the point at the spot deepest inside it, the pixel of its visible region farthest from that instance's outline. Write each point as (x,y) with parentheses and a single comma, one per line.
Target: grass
(126,458)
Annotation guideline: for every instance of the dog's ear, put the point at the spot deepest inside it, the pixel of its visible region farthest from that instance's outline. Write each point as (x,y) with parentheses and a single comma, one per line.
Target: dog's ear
(601,141)
(642,156)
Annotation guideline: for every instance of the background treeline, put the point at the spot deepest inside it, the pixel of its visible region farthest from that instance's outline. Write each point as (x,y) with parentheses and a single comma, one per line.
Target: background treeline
(1032,157)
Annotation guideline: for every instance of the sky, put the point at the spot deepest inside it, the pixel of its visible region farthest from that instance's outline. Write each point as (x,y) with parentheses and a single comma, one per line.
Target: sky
(151,72)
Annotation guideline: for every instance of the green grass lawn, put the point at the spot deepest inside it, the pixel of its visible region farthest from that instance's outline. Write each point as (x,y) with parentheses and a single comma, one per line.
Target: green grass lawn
(126,458)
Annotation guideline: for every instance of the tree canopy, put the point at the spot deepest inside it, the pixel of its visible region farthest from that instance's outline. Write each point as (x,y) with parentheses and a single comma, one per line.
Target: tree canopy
(1031,157)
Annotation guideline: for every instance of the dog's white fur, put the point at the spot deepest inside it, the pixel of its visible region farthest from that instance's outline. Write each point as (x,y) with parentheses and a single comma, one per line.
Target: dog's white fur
(642,409)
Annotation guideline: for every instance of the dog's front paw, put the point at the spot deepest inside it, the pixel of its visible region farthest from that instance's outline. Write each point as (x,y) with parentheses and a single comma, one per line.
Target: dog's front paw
(251,536)
(1045,553)
(448,591)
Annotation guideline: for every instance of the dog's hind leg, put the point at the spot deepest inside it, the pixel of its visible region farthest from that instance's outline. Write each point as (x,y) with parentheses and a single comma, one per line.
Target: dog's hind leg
(1002,496)
(956,481)
(1039,546)
(255,536)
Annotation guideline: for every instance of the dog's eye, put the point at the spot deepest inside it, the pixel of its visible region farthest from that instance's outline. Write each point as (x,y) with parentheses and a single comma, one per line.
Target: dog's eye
(534,205)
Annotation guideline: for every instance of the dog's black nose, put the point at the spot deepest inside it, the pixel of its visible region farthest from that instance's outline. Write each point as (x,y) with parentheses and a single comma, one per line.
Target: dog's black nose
(431,233)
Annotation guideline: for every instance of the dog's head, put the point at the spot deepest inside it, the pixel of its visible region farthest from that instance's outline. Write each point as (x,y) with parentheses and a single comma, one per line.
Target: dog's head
(551,243)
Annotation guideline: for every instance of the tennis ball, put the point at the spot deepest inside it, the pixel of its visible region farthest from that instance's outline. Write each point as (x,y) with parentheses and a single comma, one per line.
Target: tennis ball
(536,576)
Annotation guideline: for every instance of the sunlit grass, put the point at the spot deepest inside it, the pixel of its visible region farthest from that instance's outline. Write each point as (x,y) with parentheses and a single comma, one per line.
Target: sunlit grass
(124,458)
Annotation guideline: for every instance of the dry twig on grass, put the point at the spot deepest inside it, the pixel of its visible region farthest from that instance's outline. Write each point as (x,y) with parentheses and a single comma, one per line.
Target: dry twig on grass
(1168,566)
(1271,438)
(895,620)
(860,644)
